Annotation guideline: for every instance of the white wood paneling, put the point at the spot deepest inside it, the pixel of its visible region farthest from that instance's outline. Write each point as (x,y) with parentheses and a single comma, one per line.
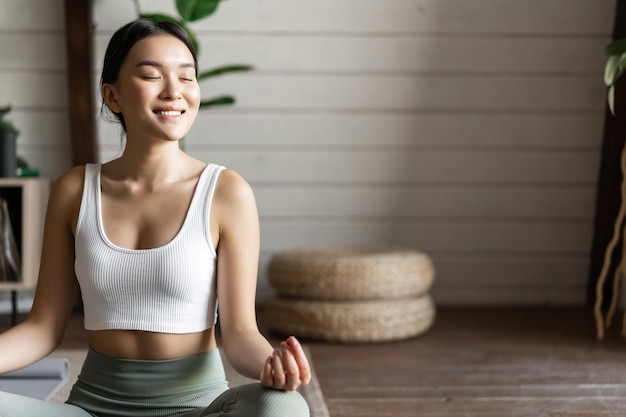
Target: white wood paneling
(34,82)
(42,127)
(529,17)
(28,51)
(34,89)
(321,129)
(506,271)
(416,53)
(32,15)
(411,92)
(402,202)
(469,129)
(469,236)
(409,167)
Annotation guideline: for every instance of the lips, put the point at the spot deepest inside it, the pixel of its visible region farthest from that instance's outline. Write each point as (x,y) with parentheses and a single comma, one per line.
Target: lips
(168,112)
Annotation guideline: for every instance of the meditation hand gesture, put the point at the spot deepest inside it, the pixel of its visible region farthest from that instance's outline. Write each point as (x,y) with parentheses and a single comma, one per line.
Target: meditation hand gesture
(287,368)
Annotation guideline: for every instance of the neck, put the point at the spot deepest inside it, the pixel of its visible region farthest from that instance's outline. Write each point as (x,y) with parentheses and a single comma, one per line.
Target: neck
(152,165)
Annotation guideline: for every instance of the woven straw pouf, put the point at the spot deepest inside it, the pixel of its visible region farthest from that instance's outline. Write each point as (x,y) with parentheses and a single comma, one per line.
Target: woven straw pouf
(351,294)
(352,321)
(350,273)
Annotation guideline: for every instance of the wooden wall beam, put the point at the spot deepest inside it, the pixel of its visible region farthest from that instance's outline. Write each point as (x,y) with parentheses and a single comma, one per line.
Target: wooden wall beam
(79,46)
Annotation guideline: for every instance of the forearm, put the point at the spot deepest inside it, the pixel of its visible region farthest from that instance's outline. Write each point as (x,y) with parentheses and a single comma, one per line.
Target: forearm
(25,344)
(247,350)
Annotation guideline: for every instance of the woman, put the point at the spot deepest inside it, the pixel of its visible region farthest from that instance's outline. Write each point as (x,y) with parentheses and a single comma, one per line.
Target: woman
(154,239)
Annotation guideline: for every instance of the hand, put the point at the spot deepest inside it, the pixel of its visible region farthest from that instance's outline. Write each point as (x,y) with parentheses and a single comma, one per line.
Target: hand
(287,368)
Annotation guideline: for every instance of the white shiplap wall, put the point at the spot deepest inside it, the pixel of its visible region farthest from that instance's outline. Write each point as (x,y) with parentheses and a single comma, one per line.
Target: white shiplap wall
(34,81)
(469,129)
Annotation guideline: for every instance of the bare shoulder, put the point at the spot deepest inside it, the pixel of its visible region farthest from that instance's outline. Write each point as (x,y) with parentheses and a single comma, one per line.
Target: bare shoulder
(233,201)
(70,184)
(232,188)
(66,195)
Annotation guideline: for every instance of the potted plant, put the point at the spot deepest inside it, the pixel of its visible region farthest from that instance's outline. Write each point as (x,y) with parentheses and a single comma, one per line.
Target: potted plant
(614,69)
(8,146)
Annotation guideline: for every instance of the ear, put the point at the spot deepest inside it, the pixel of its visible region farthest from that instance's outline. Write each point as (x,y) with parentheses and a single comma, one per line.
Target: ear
(109,95)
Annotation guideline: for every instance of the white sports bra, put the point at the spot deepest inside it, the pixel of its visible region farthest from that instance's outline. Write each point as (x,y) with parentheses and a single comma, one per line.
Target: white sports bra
(168,289)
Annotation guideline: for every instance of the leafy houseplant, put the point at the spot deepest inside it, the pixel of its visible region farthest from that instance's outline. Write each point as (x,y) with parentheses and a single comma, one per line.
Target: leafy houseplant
(8,148)
(614,68)
(192,11)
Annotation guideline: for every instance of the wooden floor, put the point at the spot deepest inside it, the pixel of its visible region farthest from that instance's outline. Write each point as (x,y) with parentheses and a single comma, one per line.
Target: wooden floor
(473,362)
(482,362)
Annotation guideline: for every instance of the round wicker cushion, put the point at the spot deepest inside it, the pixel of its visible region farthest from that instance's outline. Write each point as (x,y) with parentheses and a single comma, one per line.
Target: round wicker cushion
(351,321)
(350,273)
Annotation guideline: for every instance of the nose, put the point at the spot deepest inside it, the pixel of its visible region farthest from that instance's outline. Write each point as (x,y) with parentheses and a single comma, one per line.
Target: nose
(171,90)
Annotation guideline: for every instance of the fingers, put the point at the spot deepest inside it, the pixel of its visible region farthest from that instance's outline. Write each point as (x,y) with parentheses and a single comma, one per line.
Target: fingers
(292,371)
(301,360)
(277,370)
(287,368)
(267,378)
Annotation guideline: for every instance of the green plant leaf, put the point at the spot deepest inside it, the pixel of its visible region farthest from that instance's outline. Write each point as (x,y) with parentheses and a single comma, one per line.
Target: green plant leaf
(218,101)
(609,70)
(616,47)
(620,67)
(614,68)
(224,70)
(4,111)
(192,10)
(5,124)
(159,17)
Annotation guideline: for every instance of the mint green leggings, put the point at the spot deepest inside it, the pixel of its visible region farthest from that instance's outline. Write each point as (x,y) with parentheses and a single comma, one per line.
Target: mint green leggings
(194,386)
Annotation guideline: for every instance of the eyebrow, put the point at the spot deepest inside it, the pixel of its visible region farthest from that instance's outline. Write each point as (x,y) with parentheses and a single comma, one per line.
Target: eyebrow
(158,65)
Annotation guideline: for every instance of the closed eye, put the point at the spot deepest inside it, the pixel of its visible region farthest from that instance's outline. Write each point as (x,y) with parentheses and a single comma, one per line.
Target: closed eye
(151,78)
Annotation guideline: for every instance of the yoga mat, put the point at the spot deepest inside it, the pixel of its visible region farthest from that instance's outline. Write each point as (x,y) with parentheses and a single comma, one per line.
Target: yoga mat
(40,380)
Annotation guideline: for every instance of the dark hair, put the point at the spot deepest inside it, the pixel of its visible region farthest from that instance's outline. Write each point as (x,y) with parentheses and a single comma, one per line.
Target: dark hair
(125,38)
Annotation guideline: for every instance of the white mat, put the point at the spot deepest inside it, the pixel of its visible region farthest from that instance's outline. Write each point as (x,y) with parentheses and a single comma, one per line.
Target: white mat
(41,380)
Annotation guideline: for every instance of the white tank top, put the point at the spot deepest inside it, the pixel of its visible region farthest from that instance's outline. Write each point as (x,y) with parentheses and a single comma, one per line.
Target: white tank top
(168,289)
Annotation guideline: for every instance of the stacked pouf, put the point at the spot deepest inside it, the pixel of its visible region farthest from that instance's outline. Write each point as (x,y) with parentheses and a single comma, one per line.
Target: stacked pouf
(351,294)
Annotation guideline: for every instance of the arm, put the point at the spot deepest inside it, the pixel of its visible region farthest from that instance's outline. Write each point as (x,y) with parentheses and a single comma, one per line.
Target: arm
(41,332)
(246,349)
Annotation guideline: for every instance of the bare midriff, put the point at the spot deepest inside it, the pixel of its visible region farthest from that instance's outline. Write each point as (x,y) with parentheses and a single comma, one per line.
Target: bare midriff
(141,345)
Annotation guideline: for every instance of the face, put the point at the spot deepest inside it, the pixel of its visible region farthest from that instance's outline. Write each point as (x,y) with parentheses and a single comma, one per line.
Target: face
(156,91)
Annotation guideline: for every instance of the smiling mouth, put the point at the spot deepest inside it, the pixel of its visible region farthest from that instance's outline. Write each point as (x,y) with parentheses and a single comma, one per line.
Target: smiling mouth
(169,112)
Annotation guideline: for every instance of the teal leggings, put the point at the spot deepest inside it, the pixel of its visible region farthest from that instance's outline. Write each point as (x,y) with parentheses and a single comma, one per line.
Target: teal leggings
(194,386)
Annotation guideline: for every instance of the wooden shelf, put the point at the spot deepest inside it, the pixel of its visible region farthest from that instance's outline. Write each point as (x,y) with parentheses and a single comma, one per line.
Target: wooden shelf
(27,199)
